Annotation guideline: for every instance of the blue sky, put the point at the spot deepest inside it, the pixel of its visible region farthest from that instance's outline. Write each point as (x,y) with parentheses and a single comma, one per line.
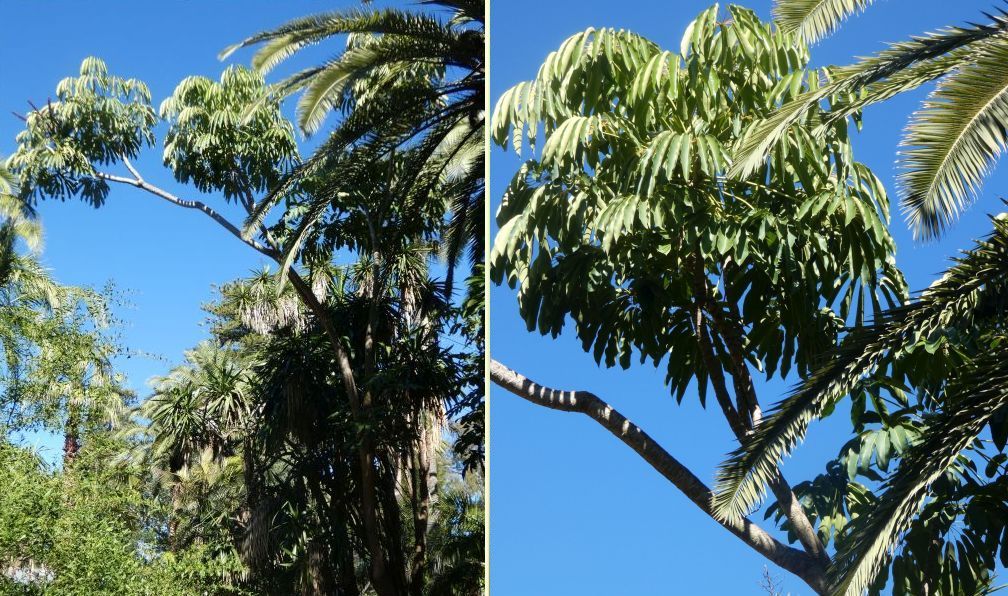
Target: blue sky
(164,260)
(573,510)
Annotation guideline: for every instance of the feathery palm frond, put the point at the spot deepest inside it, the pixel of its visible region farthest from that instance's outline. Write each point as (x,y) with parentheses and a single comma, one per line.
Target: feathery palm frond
(286,40)
(815,19)
(385,45)
(8,182)
(881,68)
(971,401)
(973,290)
(953,141)
(407,82)
(18,215)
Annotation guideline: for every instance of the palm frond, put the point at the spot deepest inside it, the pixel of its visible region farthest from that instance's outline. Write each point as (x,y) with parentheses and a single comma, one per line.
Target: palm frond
(322,94)
(18,214)
(973,399)
(464,11)
(305,31)
(406,83)
(974,289)
(815,19)
(762,136)
(953,141)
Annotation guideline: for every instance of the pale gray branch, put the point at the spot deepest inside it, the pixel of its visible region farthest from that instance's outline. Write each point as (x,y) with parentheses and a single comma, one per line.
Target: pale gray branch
(803,565)
(129,166)
(138,182)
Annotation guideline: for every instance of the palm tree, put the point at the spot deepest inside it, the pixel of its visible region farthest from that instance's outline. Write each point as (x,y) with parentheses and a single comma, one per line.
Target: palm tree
(285,467)
(18,223)
(199,405)
(200,421)
(382,199)
(406,78)
(411,89)
(951,143)
(456,544)
(966,382)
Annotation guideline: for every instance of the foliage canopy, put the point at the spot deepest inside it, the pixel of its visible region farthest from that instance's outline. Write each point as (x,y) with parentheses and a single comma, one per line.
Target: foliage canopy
(628,219)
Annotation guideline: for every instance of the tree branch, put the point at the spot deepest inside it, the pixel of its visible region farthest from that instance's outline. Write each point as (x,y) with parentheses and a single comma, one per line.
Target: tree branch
(138,182)
(745,419)
(745,394)
(715,374)
(707,354)
(129,166)
(805,566)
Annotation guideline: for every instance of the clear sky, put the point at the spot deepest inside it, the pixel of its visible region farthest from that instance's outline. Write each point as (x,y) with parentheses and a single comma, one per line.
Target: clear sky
(573,510)
(164,259)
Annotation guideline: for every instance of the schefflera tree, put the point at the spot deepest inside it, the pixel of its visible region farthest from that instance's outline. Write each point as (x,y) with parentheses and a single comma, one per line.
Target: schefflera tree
(223,136)
(627,223)
(229,137)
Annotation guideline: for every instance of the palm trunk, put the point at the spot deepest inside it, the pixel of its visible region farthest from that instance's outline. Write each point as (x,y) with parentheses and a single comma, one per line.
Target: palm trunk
(392,525)
(176,498)
(359,409)
(420,498)
(340,544)
(346,570)
(71,436)
(319,571)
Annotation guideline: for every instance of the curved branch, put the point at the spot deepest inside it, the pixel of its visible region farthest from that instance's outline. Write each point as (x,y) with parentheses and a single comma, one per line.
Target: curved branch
(138,182)
(808,568)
